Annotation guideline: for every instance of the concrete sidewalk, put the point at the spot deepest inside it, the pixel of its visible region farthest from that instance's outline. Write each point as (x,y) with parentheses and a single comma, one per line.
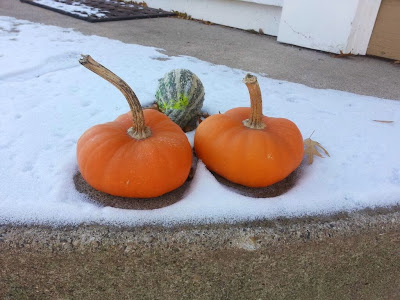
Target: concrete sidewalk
(235,48)
(345,256)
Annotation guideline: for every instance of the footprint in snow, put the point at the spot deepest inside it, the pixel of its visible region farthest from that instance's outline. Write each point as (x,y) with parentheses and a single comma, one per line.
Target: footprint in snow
(55,63)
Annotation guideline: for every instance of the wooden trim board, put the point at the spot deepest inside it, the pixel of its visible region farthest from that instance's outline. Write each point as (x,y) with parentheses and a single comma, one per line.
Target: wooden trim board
(385,38)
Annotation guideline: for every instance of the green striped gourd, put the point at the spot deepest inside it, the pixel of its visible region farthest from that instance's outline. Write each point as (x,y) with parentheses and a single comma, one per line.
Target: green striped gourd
(180,95)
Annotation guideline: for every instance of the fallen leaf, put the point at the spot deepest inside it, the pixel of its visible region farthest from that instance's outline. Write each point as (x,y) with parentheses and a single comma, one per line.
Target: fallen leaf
(181,15)
(143,4)
(204,115)
(341,55)
(383,121)
(311,149)
(397,62)
(189,127)
(207,22)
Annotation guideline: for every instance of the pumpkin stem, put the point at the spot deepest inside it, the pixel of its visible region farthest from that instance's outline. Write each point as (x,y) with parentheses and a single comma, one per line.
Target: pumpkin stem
(255,120)
(139,130)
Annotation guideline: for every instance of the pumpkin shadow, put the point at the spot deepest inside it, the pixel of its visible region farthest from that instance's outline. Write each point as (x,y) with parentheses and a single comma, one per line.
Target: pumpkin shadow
(271,191)
(105,199)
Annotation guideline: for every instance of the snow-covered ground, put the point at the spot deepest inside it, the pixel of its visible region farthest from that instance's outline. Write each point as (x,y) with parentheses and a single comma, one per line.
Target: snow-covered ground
(48,100)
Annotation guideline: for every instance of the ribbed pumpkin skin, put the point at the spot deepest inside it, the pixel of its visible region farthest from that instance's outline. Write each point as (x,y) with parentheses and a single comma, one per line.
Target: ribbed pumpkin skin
(113,162)
(250,157)
(180,95)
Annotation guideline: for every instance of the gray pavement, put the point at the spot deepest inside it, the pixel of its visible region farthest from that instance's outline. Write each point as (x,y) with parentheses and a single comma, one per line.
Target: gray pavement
(235,48)
(345,256)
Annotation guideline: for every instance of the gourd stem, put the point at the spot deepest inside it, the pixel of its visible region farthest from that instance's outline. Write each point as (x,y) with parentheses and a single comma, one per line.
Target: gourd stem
(255,120)
(139,130)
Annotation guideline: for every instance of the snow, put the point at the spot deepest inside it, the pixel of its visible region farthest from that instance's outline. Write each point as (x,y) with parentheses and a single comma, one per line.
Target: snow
(48,100)
(76,8)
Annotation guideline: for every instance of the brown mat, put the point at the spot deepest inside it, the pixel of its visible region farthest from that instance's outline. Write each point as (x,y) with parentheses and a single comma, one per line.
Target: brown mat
(102,10)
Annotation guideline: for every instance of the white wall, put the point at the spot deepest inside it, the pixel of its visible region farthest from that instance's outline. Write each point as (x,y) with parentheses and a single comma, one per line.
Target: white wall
(243,14)
(328,25)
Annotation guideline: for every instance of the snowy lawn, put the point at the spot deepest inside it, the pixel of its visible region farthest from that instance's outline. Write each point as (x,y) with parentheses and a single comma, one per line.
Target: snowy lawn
(48,100)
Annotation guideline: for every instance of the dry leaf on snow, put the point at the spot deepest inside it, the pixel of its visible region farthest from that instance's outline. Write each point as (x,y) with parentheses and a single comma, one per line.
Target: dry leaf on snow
(383,121)
(311,149)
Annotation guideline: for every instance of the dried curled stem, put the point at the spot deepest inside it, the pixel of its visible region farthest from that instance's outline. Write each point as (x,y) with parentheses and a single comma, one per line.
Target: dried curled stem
(139,130)
(255,120)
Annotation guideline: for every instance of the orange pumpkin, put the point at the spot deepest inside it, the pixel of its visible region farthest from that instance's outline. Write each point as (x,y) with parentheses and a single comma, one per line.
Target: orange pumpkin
(248,148)
(140,154)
